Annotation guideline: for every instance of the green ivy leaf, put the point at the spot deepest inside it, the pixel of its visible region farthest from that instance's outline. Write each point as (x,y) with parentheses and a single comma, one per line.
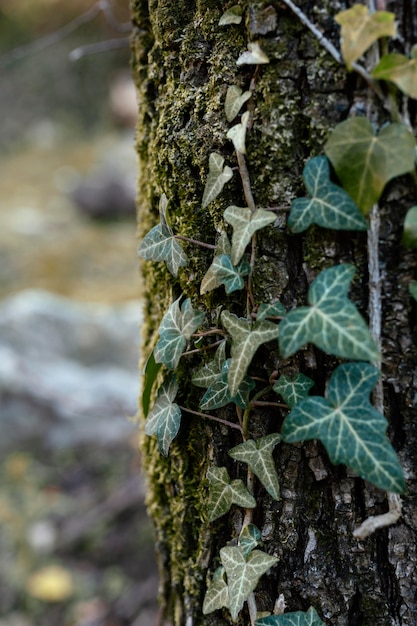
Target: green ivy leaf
(228,274)
(218,394)
(235,100)
(225,492)
(253,56)
(245,223)
(270,309)
(210,372)
(329,205)
(293,389)
(217,177)
(410,228)
(258,455)
(217,594)
(237,134)
(299,618)
(351,429)
(150,372)
(249,538)
(231,16)
(331,322)
(364,162)
(412,288)
(400,70)
(211,280)
(246,339)
(360,29)
(243,574)
(165,418)
(160,243)
(177,326)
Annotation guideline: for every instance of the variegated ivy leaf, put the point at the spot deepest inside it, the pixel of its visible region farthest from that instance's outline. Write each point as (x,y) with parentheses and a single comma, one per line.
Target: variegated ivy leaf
(293,389)
(225,492)
(218,394)
(217,177)
(364,163)
(410,228)
(350,428)
(228,274)
(400,70)
(249,538)
(231,16)
(165,418)
(331,322)
(235,100)
(270,309)
(329,205)
(177,326)
(243,574)
(360,29)
(246,339)
(210,372)
(211,280)
(217,594)
(258,455)
(253,56)
(412,288)
(299,618)
(245,223)
(237,134)
(160,243)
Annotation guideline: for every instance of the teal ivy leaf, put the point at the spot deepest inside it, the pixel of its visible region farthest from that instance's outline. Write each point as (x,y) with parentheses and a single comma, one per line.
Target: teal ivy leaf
(210,372)
(243,574)
(299,618)
(235,99)
(151,371)
(246,339)
(412,288)
(217,594)
(218,394)
(351,429)
(293,389)
(329,205)
(217,177)
(225,492)
(211,280)
(237,134)
(229,275)
(364,163)
(258,455)
(410,228)
(160,243)
(249,538)
(271,309)
(245,223)
(165,418)
(231,16)
(400,70)
(177,326)
(331,322)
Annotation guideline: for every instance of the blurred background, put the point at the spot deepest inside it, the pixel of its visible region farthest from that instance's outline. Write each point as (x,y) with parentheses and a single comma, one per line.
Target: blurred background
(76,547)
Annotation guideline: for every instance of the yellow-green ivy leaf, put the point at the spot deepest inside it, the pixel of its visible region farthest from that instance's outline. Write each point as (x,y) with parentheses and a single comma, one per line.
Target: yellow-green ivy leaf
(235,100)
(410,228)
(217,594)
(253,56)
(211,280)
(400,70)
(165,417)
(299,618)
(360,29)
(331,322)
(231,16)
(364,162)
(237,134)
(350,428)
(329,205)
(217,177)
(258,455)
(245,223)
(293,389)
(225,492)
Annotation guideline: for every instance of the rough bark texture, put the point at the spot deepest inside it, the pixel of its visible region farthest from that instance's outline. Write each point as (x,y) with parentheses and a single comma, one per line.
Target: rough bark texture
(183,63)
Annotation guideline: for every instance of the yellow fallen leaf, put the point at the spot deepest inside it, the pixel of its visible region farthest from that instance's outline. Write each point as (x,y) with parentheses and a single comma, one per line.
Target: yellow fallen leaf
(52,583)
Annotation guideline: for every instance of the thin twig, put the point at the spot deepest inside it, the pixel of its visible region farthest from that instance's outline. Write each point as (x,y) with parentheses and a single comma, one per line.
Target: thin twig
(244,174)
(98,48)
(212,417)
(196,242)
(209,347)
(279,405)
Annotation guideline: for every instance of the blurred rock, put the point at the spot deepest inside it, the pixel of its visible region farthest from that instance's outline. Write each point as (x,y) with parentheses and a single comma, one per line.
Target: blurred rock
(68,371)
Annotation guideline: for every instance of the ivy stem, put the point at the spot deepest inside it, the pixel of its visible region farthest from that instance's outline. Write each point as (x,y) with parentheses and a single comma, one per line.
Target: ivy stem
(196,242)
(375,306)
(212,417)
(244,174)
(209,347)
(212,331)
(252,608)
(279,405)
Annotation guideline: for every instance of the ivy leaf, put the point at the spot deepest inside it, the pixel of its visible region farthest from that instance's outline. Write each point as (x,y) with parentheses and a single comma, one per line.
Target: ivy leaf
(177,326)
(150,372)
(351,429)
(249,538)
(412,288)
(245,223)
(329,205)
(237,134)
(360,29)
(293,389)
(231,16)
(246,339)
(217,177)
(258,455)
(228,274)
(331,322)
(165,418)
(160,243)
(218,394)
(209,373)
(364,162)
(235,100)
(270,309)
(225,492)
(243,574)
(253,56)
(299,618)
(410,228)
(400,70)
(211,280)
(217,594)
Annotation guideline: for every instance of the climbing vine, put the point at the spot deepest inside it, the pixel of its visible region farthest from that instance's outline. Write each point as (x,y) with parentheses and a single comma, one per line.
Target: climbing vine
(352,429)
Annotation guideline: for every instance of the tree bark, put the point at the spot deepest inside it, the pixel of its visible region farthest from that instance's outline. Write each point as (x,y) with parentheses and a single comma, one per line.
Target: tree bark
(183,62)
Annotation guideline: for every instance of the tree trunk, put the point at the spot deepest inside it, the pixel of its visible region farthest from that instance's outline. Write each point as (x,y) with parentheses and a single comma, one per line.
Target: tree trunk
(183,63)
